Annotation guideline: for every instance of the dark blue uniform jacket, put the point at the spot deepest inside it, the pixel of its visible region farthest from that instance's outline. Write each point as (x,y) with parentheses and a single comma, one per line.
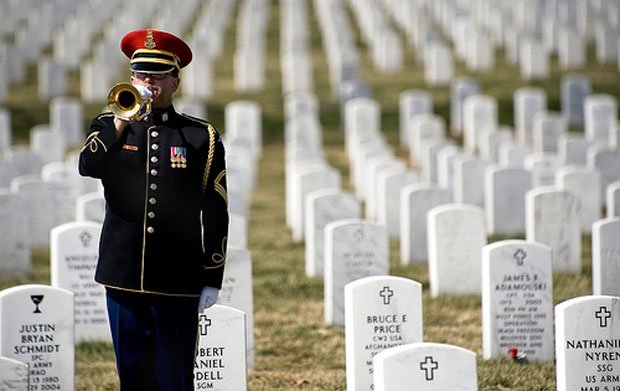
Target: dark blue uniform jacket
(166,221)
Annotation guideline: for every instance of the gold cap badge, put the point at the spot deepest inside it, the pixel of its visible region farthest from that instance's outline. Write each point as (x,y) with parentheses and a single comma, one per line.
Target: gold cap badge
(149,43)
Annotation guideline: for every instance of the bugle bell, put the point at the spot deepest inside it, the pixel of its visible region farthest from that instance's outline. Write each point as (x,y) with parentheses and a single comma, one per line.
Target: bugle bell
(128,102)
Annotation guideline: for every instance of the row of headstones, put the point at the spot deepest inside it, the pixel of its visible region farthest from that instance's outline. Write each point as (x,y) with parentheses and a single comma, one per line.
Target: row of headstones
(208,34)
(383,333)
(59,195)
(466,177)
(384,329)
(76,242)
(39,330)
(455,235)
(529,33)
(49,141)
(381,37)
(250,48)
(515,280)
(476,32)
(295,57)
(474,115)
(73,44)
(339,43)
(353,254)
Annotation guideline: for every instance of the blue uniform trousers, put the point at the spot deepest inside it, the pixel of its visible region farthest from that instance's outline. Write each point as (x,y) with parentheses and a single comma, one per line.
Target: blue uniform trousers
(154,340)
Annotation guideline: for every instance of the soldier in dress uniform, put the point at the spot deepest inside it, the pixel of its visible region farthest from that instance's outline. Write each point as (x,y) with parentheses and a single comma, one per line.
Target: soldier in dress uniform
(163,242)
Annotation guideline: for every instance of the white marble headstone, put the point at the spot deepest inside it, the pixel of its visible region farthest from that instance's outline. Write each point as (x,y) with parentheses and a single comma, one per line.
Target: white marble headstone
(586,185)
(479,111)
(354,249)
(504,202)
(528,101)
(468,180)
(14,235)
(36,327)
(607,162)
(517,300)
(586,343)
(606,257)
(425,366)
(612,199)
(74,251)
(573,149)
(304,182)
(324,207)
(456,236)
(600,120)
(390,183)
(221,352)
(415,202)
(552,218)
(410,104)
(39,197)
(574,89)
(460,88)
(90,207)
(67,187)
(237,291)
(381,312)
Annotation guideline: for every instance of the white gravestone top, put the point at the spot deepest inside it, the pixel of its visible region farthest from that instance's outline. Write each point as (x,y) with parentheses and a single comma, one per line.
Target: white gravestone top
(220,360)
(587,343)
(552,218)
(381,312)
(456,236)
(606,257)
(425,366)
(354,249)
(74,251)
(237,291)
(324,207)
(517,302)
(14,235)
(36,327)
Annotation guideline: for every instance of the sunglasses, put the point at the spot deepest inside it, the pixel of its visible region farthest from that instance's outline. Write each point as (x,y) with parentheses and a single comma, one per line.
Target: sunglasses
(152,76)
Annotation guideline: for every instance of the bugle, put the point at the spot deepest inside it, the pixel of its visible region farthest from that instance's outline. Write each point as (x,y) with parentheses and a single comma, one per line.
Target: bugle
(128,102)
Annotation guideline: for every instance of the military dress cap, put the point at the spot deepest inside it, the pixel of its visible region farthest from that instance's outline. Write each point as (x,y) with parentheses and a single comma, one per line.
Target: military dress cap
(155,51)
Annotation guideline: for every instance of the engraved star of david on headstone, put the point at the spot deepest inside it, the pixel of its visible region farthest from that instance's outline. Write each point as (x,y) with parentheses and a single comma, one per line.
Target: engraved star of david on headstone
(428,366)
(602,315)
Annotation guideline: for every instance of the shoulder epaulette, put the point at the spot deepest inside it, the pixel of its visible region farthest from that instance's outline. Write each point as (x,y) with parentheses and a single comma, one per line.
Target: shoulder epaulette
(196,119)
(105,115)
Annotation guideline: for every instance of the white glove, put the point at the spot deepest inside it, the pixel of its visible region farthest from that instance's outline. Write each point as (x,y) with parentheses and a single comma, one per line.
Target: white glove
(208,297)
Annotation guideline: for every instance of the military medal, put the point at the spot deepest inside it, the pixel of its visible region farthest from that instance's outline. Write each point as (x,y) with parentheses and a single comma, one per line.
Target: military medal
(178,157)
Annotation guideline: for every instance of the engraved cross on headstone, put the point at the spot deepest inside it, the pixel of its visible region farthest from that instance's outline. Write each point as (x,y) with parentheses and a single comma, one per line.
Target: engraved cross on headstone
(428,366)
(520,256)
(386,293)
(603,314)
(204,324)
(85,238)
(359,236)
